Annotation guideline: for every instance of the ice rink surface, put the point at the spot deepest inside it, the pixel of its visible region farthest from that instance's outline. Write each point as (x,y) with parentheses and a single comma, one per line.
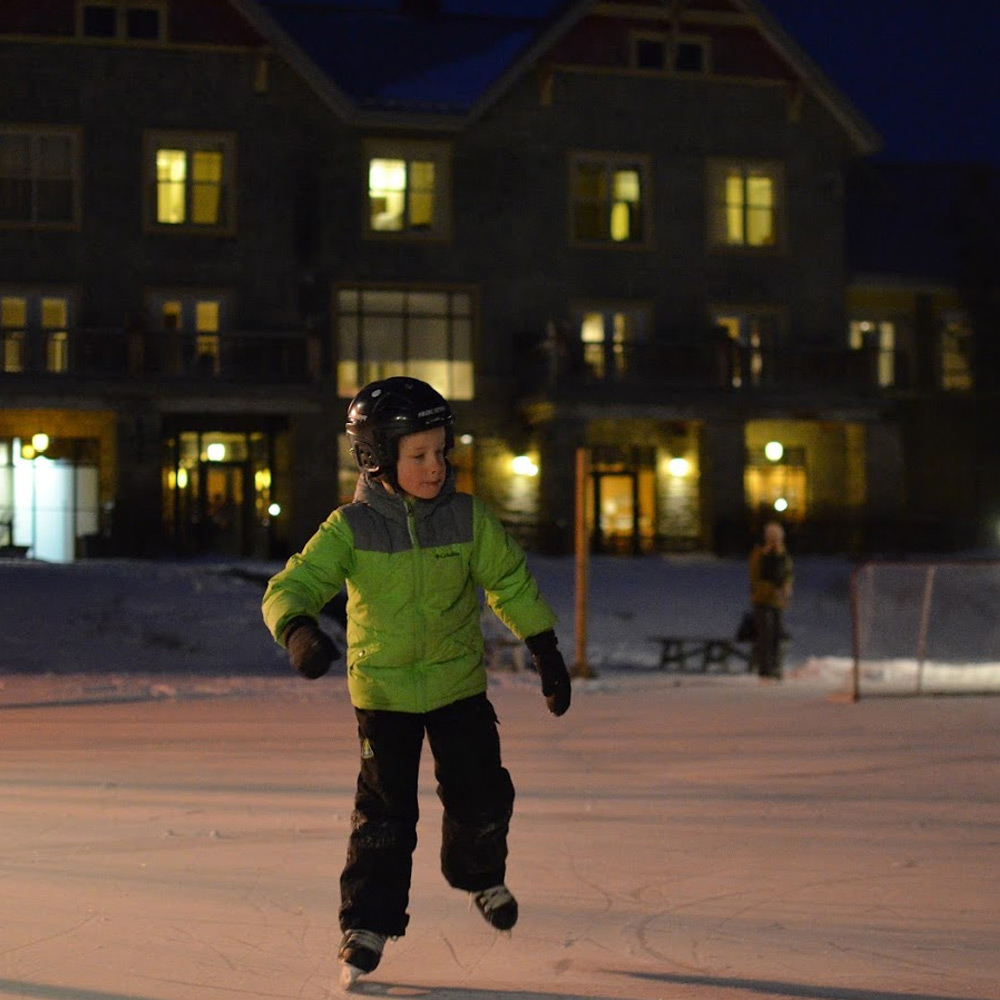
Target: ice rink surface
(696,837)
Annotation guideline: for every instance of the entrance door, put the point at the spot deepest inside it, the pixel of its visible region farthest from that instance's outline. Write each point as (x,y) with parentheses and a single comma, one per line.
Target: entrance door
(223,510)
(615,500)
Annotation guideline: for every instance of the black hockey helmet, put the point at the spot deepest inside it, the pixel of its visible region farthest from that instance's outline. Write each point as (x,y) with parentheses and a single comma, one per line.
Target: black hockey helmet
(384,411)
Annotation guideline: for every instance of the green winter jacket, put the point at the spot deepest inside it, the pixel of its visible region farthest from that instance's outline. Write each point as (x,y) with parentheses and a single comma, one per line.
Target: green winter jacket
(412,569)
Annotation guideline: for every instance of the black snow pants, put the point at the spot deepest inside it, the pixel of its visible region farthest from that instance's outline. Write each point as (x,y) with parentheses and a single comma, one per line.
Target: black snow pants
(767,643)
(472,784)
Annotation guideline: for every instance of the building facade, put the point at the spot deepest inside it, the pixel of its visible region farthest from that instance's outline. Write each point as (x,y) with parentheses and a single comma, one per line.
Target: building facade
(608,226)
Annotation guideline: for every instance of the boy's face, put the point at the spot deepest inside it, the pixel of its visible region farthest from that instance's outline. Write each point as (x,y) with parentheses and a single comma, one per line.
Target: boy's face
(421,467)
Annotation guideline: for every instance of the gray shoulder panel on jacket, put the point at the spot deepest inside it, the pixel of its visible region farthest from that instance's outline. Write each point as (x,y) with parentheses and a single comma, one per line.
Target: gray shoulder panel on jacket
(373,532)
(448,522)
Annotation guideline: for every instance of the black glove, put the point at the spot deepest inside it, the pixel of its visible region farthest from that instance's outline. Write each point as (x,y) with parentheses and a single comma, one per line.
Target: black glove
(552,669)
(310,649)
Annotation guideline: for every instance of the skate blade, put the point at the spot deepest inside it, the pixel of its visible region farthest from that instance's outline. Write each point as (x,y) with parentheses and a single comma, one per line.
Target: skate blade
(349,976)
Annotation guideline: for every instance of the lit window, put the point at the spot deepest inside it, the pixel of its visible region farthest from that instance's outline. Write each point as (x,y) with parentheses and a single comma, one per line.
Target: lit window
(194,189)
(206,320)
(171,186)
(387,194)
(384,331)
(608,203)
(609,338)
(408,188)
(745,201)
(876,338)
(750,351)
(30,320)
(192,325)
(775,485)
(956,353)
(54,322)
(38,177)
(13,320)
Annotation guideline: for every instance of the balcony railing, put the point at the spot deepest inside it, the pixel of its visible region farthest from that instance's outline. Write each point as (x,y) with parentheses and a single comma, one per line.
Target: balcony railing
(689,366)
(260,357)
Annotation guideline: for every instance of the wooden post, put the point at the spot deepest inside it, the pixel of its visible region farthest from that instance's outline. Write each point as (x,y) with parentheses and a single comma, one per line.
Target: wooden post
(582,667)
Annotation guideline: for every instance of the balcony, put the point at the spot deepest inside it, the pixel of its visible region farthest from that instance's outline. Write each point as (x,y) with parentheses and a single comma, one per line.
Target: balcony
(160,357)
(688,369)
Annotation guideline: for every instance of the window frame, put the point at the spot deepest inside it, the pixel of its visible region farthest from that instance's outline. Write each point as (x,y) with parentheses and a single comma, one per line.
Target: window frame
(956,339)
(611,162)
(609,358)
(35,338)
(190,142)
(671,44)
(369,367)
(204,344)
(716,169)
(121,9)
(35,133)
(437,152)
(878,337)
(758,363)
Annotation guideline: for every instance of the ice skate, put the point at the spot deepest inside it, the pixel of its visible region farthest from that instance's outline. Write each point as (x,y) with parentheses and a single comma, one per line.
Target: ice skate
(497,905)
(360,952)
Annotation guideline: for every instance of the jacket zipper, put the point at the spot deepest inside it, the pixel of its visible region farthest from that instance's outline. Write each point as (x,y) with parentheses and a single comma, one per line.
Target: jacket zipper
(418,597)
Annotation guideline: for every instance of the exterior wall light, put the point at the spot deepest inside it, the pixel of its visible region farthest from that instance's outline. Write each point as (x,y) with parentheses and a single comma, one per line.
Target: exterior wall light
(465,439)
(524,466)
(274,510)
(781,504)
(39,442)
(679,467)
(215,452)
(773,451)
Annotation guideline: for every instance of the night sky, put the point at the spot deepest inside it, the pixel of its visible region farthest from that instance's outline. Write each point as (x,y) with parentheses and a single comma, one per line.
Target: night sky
(925,73)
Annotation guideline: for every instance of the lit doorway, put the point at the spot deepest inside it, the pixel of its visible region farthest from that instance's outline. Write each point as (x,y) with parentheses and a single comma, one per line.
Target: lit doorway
(623,498)
(224,506)
(48,496)
(217,492)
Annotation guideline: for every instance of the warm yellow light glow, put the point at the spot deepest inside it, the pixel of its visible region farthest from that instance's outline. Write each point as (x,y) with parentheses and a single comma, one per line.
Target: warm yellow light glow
(27,452)
(262,480)
(39,442)
(182,479)
(524,466)
(171,183)
(215,452)
(678,467)
(206,187)
(465,439)
(773,451)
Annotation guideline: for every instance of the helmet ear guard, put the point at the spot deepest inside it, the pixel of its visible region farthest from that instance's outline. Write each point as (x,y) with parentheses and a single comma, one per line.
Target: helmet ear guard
(366,458)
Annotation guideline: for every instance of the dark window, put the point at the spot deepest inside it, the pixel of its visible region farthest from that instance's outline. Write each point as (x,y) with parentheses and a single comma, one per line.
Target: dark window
(650,53)
(99,21)
(690,58)
(142,23)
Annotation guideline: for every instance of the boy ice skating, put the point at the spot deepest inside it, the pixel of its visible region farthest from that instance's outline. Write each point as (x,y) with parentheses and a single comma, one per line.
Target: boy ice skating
(412,552)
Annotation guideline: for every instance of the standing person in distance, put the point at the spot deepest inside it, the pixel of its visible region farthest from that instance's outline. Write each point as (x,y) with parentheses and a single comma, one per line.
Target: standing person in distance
(771,574)
(412,551)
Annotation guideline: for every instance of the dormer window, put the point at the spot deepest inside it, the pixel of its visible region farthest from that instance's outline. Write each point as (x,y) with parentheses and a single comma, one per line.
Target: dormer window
(123,20)
(670,54)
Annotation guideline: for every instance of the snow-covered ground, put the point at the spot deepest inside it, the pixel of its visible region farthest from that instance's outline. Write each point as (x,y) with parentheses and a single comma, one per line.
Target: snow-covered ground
(175,806)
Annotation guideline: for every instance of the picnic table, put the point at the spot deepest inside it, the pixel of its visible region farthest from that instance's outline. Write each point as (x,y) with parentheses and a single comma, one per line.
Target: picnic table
(702,654)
